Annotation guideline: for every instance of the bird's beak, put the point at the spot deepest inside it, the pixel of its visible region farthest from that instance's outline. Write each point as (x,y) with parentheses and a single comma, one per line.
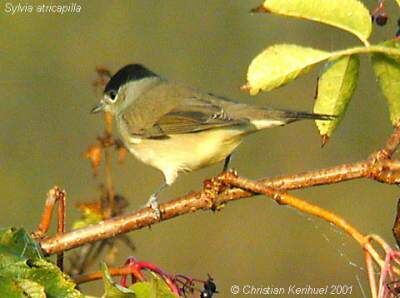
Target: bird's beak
(98,108)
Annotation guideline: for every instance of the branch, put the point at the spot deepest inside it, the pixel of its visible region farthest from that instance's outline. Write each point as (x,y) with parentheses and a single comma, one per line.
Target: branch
(118,271)
(286,199)
(379,166)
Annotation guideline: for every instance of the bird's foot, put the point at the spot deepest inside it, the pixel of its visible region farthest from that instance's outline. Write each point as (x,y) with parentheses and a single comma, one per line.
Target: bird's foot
(227,173)
(153,204)
(231,171)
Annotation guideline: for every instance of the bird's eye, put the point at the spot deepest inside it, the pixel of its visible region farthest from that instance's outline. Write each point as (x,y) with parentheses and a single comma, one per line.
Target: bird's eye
(112,94)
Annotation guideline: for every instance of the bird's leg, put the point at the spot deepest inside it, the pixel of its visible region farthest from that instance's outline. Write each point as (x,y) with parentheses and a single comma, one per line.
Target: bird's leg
(226,163)
(153,202)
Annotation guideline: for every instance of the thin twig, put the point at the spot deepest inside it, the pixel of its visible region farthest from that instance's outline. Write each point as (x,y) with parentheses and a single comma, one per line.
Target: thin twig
(60,224)
(113,272)
(393,142)
(79,261)
(286,199)
(109,206)
(371,274)
(53,196)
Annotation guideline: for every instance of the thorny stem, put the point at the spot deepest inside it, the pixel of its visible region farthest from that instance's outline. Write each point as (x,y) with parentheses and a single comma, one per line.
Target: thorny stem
(387,274)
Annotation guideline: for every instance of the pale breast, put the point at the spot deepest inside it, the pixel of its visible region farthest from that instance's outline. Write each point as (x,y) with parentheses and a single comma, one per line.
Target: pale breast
(187,152)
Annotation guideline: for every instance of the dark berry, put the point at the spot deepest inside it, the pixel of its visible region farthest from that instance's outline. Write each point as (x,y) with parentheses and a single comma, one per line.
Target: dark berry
(398,33)
(210,286)
(381,19)
(206,294)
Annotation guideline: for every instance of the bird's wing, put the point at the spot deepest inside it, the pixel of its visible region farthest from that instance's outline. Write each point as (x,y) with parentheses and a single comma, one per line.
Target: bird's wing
(189,115)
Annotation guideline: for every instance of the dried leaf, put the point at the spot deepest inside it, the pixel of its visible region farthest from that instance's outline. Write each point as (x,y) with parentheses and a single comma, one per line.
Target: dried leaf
(122,151)
(90,214)
(94,154)
(108,119)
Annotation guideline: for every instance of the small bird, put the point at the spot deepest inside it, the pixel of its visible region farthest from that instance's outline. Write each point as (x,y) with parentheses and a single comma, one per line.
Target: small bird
(180,129)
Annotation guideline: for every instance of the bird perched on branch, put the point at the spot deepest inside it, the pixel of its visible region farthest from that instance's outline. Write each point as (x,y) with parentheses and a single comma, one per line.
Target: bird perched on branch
(180,129)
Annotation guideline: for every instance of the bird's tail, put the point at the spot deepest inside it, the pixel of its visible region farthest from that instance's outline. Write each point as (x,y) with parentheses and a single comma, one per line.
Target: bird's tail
(293,116)
(267,117)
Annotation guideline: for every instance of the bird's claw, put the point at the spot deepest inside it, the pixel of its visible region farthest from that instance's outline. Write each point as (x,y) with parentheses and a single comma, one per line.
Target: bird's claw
(153,204)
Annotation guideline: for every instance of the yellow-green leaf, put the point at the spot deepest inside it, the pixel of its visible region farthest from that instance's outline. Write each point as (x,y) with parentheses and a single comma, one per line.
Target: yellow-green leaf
(349,15)
(392,48)
(32,289)
(111,288)
(280,64)
(89,218)
(398,2)
(156,287)
(387,69)
(335,88)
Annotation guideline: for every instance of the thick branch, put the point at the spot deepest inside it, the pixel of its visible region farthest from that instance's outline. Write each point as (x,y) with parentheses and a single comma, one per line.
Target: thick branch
(378,166)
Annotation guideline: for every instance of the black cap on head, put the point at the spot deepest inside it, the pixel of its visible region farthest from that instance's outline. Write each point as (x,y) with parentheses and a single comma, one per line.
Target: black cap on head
(130,72)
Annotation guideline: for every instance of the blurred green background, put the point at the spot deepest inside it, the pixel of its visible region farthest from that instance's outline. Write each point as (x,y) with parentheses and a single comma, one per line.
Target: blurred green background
(47,66)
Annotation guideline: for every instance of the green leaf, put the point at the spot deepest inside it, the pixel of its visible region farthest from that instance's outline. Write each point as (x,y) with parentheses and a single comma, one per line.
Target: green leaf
(9,288)
(156,287)
(398,2)
(23,270)
(18,243)
(55,282)
(387,69)
(392,48)
(349,15)
(112,289)
(336,87)
(142,289)
(280,64)
(31,288)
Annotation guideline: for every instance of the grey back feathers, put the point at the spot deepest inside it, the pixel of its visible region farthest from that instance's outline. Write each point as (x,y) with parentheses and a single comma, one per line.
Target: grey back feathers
(161,108)
(166,109)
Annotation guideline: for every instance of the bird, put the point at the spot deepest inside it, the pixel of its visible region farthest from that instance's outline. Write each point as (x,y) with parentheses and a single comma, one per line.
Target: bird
(176,128)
